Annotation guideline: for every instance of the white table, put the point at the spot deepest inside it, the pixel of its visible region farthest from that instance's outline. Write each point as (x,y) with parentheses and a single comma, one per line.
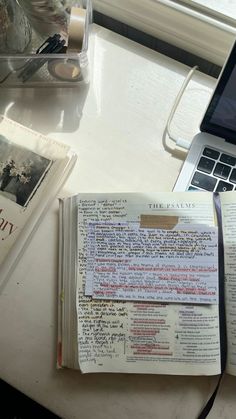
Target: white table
(119,142)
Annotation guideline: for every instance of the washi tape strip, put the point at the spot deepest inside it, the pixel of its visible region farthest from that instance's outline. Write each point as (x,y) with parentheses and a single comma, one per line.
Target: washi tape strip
(164,222)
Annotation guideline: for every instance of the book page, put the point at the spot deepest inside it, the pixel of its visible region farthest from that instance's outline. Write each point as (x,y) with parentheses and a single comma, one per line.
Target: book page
(228,208)
(144,337)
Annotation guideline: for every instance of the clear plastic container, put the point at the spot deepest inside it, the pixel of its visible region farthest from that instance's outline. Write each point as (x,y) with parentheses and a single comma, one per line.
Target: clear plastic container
(53,69)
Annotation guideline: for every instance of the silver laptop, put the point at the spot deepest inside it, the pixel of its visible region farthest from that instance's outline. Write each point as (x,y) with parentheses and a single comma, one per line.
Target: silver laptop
(211,161)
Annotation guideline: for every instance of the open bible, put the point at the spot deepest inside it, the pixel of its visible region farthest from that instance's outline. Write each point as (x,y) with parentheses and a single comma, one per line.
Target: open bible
(145,282)
(32,170)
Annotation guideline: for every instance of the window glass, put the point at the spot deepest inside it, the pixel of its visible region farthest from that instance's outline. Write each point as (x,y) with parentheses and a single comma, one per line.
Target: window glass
(226,8)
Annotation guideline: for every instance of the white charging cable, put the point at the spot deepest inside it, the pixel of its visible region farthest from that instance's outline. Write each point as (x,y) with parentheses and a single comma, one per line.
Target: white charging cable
(180,142)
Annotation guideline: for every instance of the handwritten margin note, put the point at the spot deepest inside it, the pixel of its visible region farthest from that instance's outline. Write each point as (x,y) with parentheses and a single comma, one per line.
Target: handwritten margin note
(131,263)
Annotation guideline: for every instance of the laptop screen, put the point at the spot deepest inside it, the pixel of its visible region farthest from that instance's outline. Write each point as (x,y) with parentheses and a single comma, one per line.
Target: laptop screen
(220,116)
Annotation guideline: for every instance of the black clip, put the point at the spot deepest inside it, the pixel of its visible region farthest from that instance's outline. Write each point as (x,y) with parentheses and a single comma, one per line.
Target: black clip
(53,44)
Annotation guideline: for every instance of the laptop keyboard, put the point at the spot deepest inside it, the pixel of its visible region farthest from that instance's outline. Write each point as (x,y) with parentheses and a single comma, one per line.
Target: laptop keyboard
(215,172)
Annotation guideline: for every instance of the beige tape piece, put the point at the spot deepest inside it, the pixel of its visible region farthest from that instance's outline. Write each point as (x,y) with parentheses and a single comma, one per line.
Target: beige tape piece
(67,70)
(76,29)
(158,221)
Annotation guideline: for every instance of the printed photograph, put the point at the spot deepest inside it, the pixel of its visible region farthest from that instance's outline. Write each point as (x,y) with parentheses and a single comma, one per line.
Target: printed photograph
(21,172)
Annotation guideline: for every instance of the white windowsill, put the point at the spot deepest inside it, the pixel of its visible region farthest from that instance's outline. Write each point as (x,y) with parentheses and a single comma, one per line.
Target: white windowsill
(202,35)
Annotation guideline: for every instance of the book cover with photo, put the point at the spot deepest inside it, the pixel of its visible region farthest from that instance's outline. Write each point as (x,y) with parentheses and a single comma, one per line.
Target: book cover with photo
(21,172)
(32,170)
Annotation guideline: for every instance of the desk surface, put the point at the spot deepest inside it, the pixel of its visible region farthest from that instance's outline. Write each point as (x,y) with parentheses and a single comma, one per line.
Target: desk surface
(116,126)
